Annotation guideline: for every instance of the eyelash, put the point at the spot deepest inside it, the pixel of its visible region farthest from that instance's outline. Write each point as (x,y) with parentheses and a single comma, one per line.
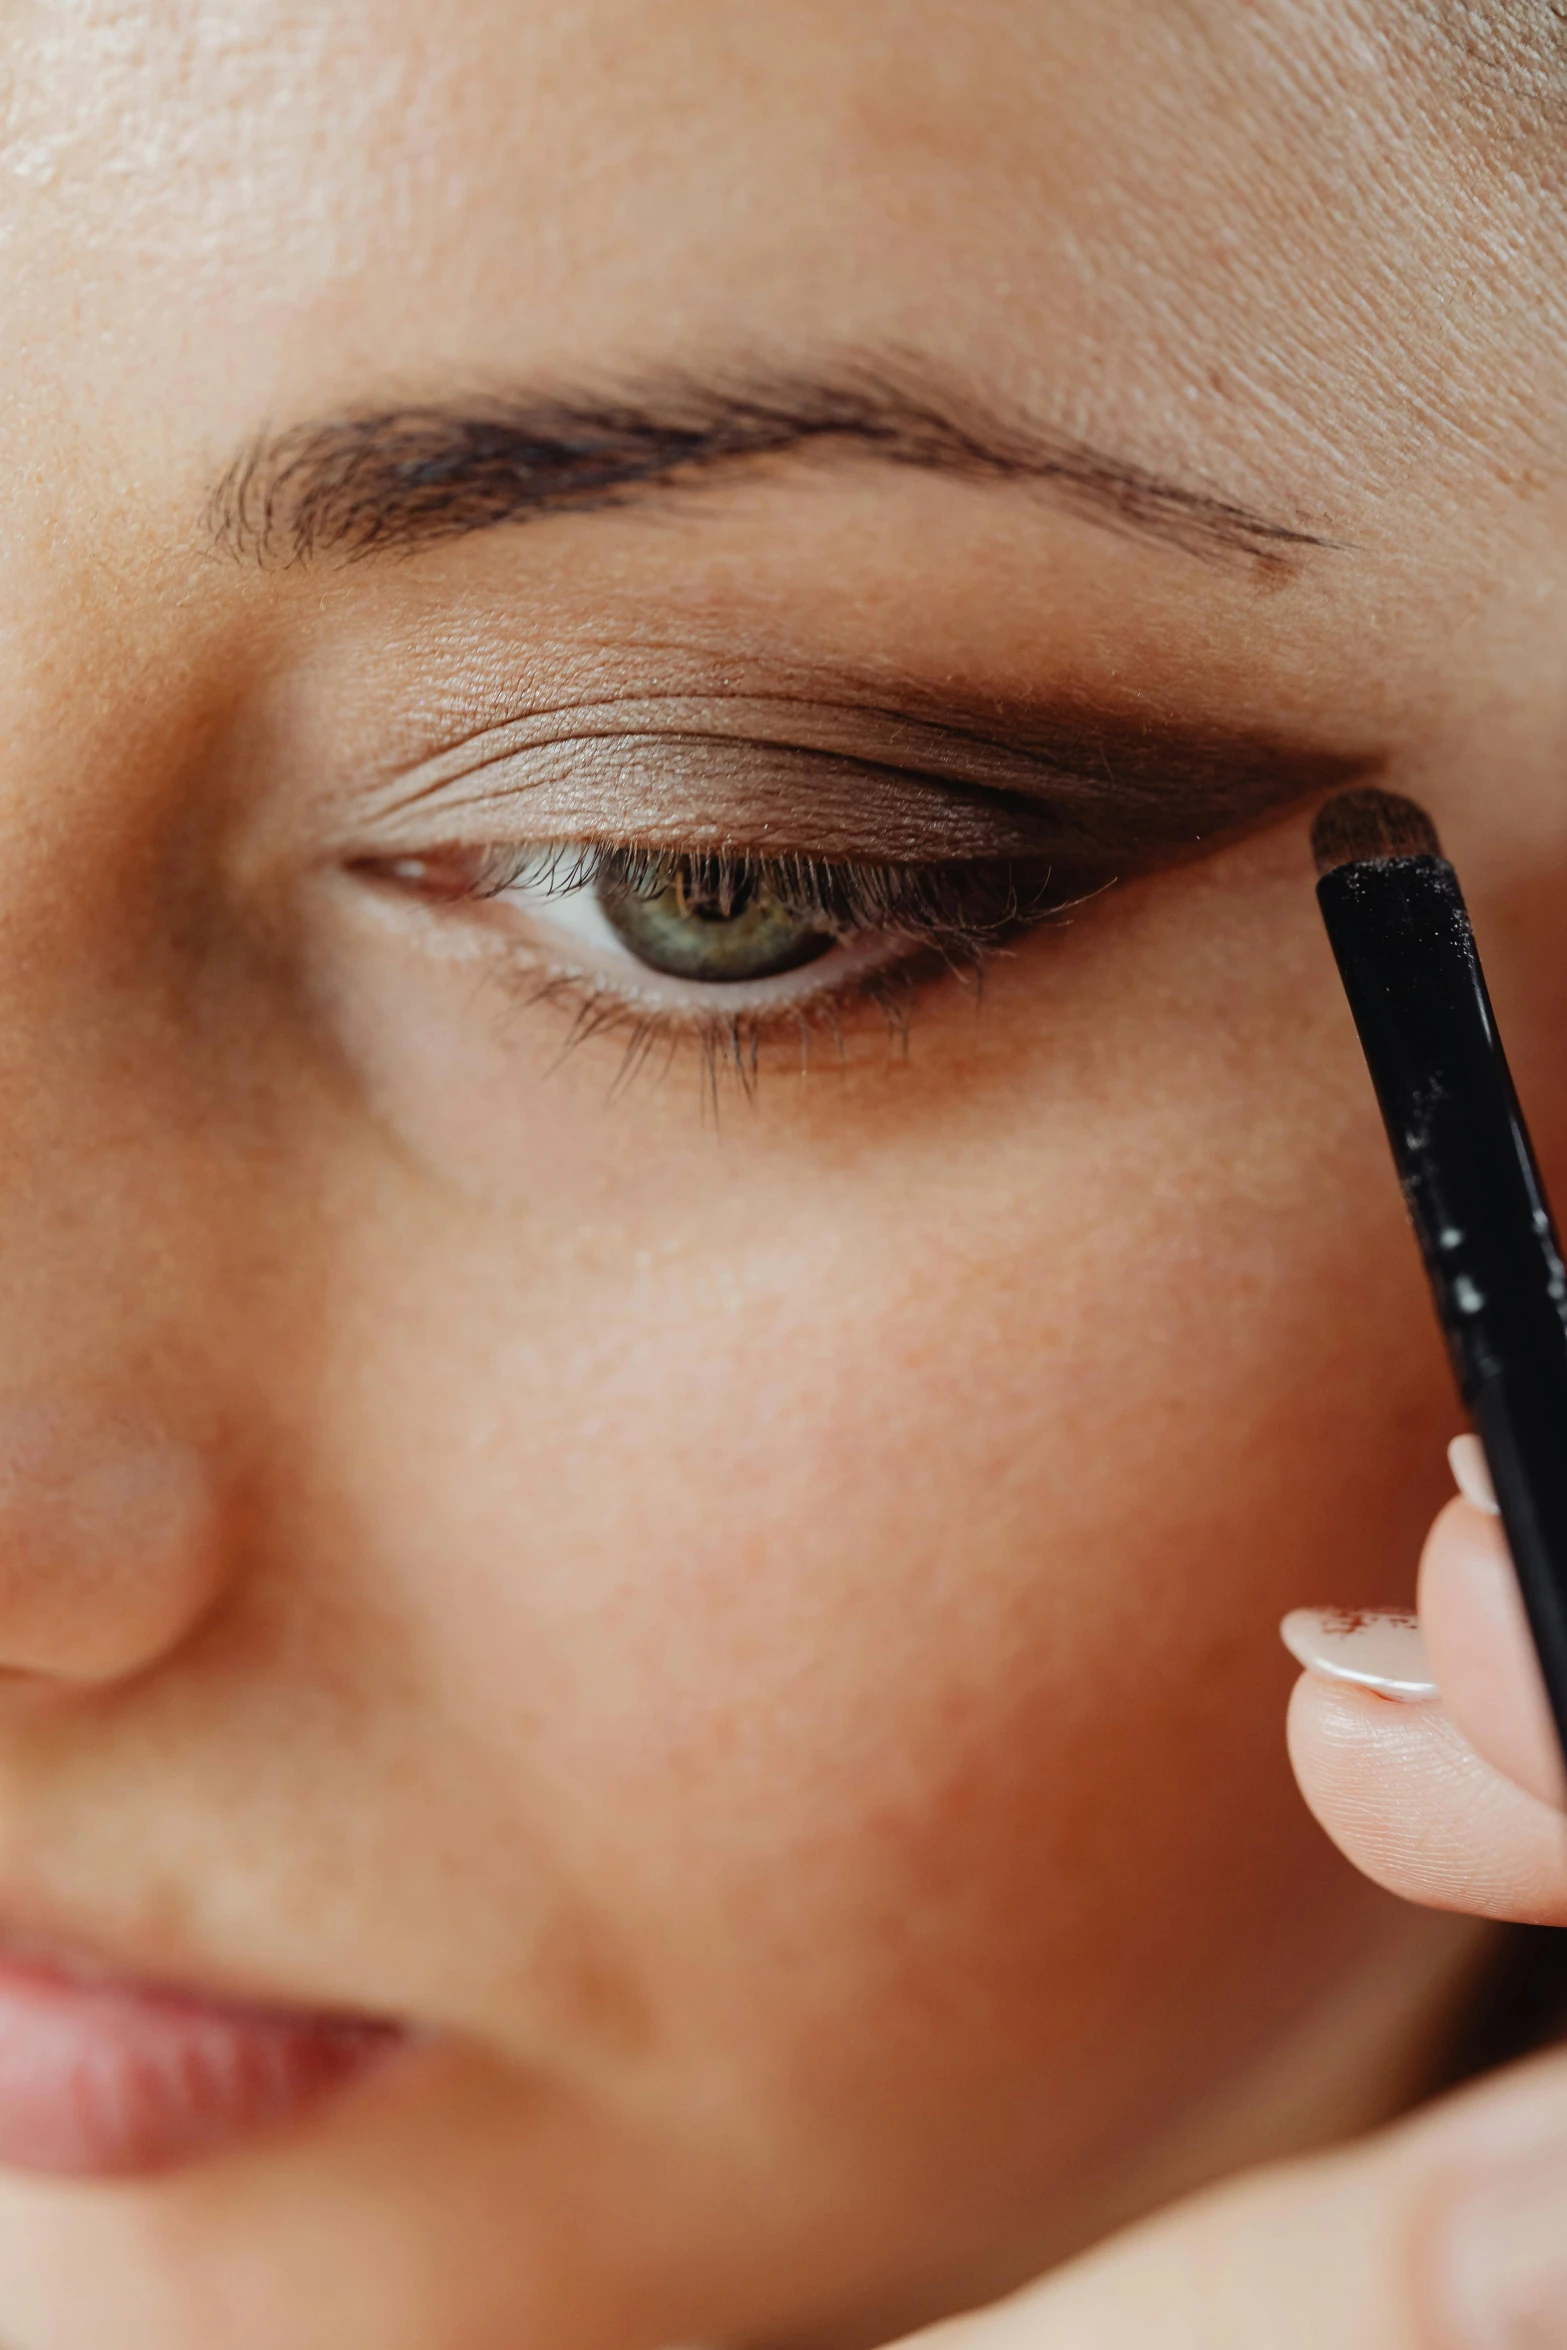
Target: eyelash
(964,907)
(945,920)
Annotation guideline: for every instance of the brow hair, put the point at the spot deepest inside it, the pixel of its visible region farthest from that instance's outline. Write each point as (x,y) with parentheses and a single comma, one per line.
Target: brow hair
(388,478)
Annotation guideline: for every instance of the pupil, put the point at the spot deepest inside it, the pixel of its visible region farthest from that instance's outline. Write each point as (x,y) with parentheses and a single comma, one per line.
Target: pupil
(706,904)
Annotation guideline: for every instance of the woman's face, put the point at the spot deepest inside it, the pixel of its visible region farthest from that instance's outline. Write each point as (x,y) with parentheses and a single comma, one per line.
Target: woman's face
(707,1539)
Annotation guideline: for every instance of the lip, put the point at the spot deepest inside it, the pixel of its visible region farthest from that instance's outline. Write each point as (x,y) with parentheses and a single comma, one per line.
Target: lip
(103,2076)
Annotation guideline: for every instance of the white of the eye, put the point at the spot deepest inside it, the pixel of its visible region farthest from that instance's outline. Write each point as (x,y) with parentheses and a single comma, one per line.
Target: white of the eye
(573,913)
(574,919)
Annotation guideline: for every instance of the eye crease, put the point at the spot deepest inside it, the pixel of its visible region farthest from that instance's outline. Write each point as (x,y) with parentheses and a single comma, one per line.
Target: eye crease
(856,777)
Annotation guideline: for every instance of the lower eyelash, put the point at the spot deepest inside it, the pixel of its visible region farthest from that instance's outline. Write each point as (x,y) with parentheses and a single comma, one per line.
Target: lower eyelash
(730,1046)
(949,920)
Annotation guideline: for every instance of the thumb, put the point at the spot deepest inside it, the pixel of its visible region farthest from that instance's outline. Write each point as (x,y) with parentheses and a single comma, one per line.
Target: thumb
(1448,2232)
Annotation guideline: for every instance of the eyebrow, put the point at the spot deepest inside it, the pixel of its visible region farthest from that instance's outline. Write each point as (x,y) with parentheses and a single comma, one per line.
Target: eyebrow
(391,479)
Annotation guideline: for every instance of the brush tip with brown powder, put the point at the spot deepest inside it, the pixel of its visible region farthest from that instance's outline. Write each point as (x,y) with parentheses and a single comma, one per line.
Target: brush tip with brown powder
(1369,827)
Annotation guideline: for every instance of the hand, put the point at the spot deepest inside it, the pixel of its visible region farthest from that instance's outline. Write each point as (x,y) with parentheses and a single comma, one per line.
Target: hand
(1429,1756)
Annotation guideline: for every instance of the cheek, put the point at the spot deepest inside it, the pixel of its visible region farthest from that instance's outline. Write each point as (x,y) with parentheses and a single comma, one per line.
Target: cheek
(872,1569)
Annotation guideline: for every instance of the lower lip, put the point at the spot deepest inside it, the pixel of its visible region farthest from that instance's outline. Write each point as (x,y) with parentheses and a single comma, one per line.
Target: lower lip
(102,2079)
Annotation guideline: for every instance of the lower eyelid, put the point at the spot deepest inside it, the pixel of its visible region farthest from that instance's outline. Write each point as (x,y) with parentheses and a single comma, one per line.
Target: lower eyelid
(548,942)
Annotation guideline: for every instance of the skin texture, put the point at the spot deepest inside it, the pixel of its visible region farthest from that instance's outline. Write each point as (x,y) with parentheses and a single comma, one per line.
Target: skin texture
(1444,2231)
(756,1634)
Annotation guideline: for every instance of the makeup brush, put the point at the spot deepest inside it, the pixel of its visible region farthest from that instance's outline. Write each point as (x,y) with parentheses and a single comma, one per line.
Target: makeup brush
(1406,953)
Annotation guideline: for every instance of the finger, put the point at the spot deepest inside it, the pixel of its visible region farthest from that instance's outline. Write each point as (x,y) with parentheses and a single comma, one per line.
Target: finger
(1454,1796)
(1481,1655)
(1445,2233)
(1406,1797)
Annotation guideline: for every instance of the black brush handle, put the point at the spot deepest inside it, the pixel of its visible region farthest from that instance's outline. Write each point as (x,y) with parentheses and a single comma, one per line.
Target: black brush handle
(1405,950)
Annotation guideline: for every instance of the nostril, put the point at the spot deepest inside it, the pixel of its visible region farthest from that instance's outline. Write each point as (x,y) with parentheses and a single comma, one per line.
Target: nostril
(109,1544)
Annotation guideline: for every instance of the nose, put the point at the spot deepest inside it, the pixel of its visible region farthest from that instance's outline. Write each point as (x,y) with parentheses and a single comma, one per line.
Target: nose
(110,1540)
(147,1080)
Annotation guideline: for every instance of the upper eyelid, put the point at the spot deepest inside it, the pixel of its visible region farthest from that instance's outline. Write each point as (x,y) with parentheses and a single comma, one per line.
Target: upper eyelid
(875,737)
(1071,785)
(688,782)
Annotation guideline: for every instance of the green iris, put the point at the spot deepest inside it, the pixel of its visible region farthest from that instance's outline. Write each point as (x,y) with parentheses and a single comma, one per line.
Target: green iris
(717,926)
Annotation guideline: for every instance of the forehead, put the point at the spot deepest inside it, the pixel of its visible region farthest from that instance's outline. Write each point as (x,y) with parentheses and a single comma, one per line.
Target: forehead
(1120,212)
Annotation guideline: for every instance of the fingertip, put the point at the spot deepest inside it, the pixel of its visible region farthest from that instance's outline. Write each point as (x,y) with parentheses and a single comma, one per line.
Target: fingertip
(1349,1750)
(1355,1757)
(1341,1740)
(1472,1474)
(1481,1652)
(1406,1798)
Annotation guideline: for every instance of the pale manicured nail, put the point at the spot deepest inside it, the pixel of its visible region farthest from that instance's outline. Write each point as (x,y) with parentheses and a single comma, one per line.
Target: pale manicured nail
(1372,1648)
(1501,2260)
(1466,1458)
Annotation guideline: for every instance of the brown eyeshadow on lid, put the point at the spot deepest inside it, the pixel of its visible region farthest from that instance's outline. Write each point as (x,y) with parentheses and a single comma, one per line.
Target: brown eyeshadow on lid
(1095,791)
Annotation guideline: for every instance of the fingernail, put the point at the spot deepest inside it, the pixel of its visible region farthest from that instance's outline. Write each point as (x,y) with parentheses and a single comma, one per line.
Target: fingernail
(1501,2260)
(1472,1474)
(1373,1648)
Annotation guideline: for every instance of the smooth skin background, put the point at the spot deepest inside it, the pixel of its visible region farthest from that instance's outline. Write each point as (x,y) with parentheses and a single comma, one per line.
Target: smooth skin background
(758,1637)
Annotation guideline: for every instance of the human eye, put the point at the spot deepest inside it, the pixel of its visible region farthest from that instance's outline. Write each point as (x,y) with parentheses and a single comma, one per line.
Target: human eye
(725,868)
(726,946)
